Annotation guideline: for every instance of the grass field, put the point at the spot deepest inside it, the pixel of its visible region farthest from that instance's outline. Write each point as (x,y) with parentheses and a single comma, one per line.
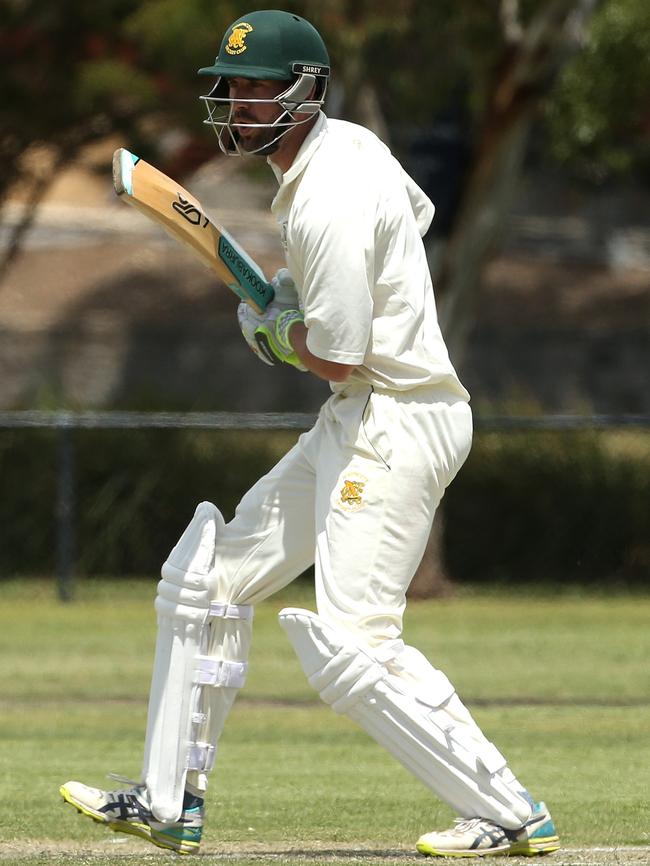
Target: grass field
(561,684)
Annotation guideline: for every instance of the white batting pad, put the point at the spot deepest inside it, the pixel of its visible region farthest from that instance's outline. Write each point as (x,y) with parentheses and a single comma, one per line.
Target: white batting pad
(200,662)
(442,748)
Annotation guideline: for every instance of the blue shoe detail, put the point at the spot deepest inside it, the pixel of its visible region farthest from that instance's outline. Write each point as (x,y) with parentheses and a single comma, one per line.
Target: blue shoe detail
(478,837)
(128,811)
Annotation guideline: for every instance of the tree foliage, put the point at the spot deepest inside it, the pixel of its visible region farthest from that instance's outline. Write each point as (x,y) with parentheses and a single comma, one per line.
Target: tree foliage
(68,77)
(77,72)
(598,114)
(74,70)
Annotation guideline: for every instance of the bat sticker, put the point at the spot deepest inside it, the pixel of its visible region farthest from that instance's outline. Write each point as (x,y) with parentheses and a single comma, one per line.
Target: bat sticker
(189,212)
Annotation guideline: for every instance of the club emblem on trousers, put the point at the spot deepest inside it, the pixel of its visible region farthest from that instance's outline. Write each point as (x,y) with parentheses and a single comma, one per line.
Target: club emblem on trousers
(351,494)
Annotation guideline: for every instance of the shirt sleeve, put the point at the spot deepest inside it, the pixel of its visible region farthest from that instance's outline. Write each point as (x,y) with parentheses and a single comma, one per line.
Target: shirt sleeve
(332,238)
(423,207)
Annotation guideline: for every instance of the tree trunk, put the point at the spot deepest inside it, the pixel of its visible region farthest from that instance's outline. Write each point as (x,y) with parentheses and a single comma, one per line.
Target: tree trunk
(532,58)
(530,62)
(431,580)
(39,184)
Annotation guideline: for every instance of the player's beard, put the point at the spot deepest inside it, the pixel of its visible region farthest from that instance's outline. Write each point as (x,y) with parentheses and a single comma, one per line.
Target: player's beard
(260,141)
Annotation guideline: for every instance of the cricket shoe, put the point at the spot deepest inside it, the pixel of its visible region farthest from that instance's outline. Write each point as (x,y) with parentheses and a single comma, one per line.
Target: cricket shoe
(127,811)
(478,837)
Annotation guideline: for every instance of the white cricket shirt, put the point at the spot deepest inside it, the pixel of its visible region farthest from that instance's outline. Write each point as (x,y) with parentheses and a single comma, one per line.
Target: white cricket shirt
(352,223)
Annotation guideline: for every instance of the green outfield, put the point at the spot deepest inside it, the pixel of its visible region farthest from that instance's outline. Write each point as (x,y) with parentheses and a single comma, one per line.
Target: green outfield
(561,683)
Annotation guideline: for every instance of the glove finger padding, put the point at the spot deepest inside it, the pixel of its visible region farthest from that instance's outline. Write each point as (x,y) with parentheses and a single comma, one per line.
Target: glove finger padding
(272,335)
(286,294)
(267,334)
(249,321)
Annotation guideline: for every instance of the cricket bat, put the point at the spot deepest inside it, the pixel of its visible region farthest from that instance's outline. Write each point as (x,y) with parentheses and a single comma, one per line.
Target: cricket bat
(183,217)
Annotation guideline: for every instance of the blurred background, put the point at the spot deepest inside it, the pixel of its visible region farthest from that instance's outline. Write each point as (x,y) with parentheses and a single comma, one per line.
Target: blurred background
(528,124)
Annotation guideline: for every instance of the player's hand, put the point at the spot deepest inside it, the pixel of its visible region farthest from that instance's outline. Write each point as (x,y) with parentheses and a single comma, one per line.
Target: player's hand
(286,294)
(272,335)
(249,321)
(260,330)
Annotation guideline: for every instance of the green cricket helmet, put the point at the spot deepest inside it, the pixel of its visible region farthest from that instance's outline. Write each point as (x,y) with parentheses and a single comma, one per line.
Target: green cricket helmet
(268,45)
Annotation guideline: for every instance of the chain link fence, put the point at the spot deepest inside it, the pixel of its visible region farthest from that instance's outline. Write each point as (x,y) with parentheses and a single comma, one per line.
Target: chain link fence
(65,424)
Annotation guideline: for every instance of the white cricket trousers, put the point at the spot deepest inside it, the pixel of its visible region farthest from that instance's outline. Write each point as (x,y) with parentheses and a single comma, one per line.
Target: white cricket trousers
(356,496)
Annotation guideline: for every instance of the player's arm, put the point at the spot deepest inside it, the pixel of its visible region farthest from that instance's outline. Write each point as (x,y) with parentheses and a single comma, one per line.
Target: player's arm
(279,336)
(332,371)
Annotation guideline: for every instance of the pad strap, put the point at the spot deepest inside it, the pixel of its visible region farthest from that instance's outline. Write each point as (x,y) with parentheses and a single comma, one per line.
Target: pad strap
(231,611)
(220,673)
(201,757)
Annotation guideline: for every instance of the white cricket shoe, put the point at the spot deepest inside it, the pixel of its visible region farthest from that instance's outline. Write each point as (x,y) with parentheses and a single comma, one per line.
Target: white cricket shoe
(478,837)
(127,811)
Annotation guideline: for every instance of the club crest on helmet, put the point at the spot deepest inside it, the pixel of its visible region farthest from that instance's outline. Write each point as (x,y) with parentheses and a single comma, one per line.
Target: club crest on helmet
(237,39)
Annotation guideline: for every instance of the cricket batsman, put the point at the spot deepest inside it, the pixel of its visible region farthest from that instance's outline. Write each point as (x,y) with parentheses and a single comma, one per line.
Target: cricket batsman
(356,495)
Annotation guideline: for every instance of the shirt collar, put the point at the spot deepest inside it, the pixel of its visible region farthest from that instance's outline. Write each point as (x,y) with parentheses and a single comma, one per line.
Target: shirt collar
(307,149)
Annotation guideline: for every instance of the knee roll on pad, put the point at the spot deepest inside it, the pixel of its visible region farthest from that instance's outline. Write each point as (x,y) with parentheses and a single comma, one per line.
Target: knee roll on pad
(445,751)
(200,662)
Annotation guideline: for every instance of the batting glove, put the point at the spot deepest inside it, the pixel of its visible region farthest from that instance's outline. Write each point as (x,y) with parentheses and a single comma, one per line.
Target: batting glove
(249,321)
(285,300)
(272,336)
(286,294)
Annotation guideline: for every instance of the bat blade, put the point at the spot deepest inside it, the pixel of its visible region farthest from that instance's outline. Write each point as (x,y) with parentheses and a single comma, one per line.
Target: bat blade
(183,217)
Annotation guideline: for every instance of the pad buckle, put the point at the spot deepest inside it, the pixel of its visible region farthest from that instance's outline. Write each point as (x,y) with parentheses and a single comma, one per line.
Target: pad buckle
(201,757)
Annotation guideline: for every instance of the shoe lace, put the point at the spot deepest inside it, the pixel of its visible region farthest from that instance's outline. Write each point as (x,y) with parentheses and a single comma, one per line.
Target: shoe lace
(463,824)
(124,780)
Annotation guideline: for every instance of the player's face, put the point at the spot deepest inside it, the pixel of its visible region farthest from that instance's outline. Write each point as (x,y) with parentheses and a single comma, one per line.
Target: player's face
(246,111)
